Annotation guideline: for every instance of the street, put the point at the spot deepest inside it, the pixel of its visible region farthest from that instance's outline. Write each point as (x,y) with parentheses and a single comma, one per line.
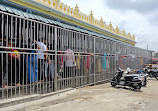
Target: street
(101,97)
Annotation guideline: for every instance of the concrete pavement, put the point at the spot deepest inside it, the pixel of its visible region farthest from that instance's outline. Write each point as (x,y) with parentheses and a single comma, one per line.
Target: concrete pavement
(96,98)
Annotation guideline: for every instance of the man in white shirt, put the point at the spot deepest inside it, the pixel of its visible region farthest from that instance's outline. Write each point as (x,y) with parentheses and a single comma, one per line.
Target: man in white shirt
(41,59)
(43,48)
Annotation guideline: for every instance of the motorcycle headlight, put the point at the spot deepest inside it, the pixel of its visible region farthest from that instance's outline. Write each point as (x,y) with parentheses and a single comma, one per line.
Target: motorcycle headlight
(142,79)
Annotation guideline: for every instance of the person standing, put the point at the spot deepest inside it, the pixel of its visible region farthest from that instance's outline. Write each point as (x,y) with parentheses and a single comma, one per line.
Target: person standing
(42,59)
(31,62)
(13,65)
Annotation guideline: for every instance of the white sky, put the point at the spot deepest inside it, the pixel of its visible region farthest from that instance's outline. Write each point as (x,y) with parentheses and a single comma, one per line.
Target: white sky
(139,17)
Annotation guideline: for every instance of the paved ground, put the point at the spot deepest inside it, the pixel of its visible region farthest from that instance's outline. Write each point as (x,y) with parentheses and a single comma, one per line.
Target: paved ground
(97,98)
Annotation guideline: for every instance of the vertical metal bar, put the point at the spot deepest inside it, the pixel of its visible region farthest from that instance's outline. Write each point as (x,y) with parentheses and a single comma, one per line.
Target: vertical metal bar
(44,37)
(72,73)
(29,37)
(23,32)
(62,41)
(15,29)
(43,59)
(15,26)
(53,45)
(2,28)
(32,55)
(11,29)
(68,71)
(103,73)
(46,34)
(85,47)
(99,43)
(7,60)
(81,71)
(58,56)
(94,59)
(58,39)
(20,54)
(49,56)
(37,29)
(40,59)
(79,50)
(65,45)
(2,74)
(34,35)
(76,50)
(61,49)
(11,54)
(75,69)
(55,82)
(26,36)
(7,57)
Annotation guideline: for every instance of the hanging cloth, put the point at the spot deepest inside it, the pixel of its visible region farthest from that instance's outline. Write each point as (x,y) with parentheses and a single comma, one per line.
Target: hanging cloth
(104,61)
(88,61)
(85,64)
(78,63)
(98,64)
(141,62)
(70,58)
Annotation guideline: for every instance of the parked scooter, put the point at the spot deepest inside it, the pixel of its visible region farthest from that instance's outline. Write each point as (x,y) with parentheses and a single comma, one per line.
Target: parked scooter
(142,76)
(154,73)
(128,80)
(151,72)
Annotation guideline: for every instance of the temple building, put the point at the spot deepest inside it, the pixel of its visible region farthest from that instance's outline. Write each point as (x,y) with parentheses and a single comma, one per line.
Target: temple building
(48,46)
(67,17)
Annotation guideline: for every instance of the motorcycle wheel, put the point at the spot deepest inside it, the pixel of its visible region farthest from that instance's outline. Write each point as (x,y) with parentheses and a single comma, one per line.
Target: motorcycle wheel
(156,78)
(138,86)
(150,75)
(144,84)
(113,84)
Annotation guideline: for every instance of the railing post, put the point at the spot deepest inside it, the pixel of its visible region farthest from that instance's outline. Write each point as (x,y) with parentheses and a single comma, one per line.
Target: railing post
(55,79)
(94,62)
(116,58)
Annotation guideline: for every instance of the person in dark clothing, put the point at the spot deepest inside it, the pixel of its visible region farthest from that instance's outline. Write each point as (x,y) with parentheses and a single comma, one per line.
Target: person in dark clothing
(13,66)
(31,62)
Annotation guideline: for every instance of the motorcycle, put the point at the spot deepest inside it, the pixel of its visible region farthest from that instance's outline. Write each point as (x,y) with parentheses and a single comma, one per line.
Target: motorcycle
(132,81)
(143,78)
(152,72)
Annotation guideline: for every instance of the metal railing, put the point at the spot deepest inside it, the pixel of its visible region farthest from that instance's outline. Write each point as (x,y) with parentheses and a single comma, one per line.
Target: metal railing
(39,58)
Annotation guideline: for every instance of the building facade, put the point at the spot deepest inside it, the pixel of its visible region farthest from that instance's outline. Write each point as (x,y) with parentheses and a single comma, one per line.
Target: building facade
(47,46)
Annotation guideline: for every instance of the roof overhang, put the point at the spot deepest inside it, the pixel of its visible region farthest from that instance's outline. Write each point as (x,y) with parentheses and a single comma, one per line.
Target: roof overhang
(37,7)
